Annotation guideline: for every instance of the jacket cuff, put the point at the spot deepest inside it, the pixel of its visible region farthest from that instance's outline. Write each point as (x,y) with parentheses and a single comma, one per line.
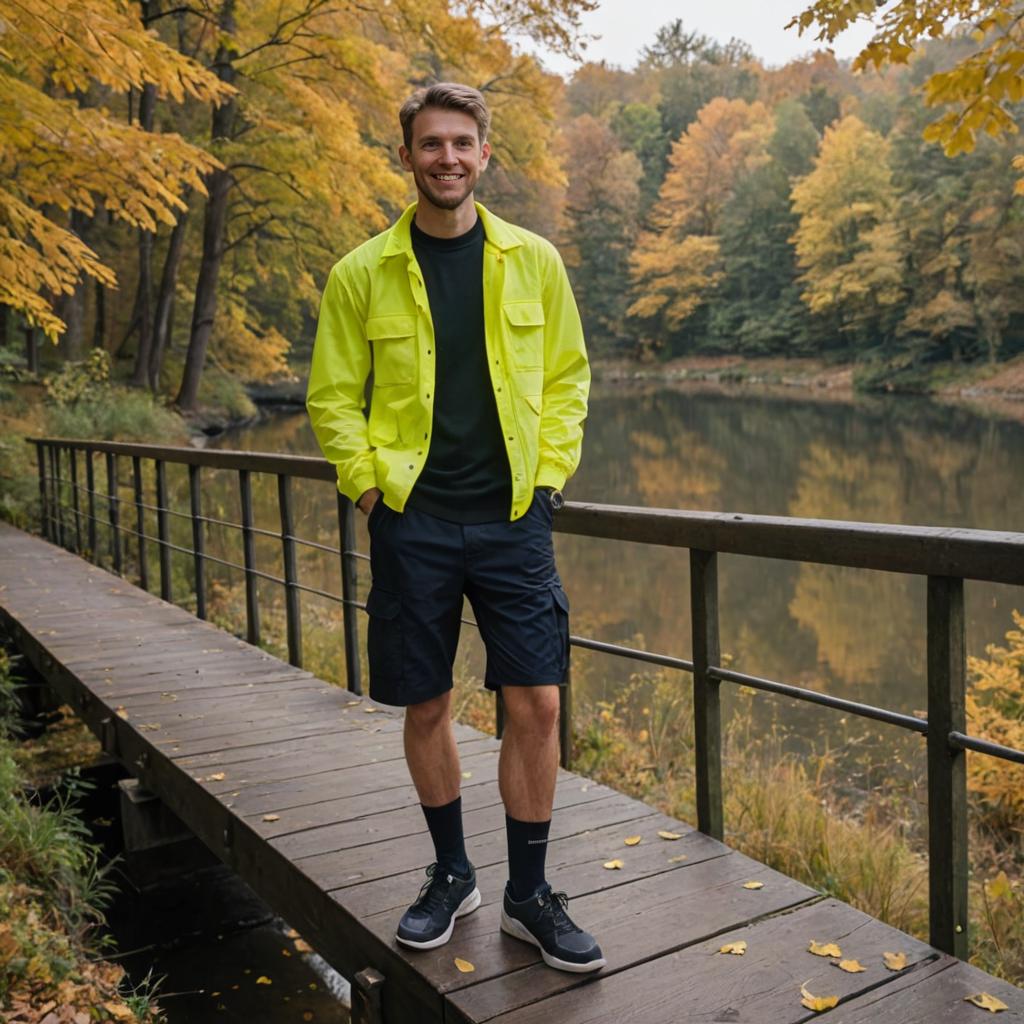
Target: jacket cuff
(355,487)
(550,476)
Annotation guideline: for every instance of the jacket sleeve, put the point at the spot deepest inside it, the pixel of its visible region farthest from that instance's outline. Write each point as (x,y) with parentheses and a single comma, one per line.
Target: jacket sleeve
(566,379)
(335,398)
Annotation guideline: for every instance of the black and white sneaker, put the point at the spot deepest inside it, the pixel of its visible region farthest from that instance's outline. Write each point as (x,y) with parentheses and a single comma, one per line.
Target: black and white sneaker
(542,920)
(429,921)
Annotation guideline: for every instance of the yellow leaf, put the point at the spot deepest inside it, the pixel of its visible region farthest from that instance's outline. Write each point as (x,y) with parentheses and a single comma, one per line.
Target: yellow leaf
(121,712)
(678,859)
(613,865)
(895,961)
(816,1003)
(467,775)
(665,834)
(986,1002)
(370,711)
(464,966)
(215,777)
(821,949)
(118,1010)
(302,946)
(632,840)
(263,980)
(753,885)
(286,952)
(736,948)
(271,817)
(850,966)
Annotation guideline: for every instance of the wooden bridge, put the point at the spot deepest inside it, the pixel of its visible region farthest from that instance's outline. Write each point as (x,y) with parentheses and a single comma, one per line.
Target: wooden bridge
(300,786)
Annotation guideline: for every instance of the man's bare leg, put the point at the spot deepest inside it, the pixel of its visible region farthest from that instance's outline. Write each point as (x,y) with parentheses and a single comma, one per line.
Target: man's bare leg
(430,751)
(529,751)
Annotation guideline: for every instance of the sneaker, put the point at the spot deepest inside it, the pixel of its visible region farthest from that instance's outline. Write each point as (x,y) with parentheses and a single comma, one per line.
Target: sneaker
(542,921)
(444,897)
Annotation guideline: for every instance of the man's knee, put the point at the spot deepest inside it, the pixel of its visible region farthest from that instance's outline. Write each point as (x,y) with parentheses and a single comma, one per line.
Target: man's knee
(531,708)
(429,715)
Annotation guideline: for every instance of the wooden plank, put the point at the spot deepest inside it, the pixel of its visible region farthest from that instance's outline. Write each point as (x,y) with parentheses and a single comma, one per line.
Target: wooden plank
(935,994)
(698,984)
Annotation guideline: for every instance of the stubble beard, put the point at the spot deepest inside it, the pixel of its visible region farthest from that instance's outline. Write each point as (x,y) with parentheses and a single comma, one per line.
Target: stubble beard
(442,202)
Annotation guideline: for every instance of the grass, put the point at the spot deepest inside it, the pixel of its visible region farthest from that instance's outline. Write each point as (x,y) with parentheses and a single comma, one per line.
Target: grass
(53,891)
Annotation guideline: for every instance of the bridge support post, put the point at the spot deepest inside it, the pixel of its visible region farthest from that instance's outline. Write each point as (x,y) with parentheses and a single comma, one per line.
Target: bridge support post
(366,997)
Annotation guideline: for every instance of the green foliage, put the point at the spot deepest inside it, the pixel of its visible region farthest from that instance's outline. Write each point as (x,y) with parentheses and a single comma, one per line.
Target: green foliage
(79,380)
(114,413)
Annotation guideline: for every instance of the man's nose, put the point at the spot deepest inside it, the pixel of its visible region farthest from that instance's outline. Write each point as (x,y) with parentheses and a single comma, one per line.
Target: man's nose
(448,154)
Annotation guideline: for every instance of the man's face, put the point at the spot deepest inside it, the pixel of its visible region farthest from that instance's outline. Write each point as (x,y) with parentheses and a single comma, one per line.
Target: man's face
(446,157)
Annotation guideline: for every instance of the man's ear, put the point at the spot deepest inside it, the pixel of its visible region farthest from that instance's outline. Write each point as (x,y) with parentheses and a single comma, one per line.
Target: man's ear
(403,155)
(485,155)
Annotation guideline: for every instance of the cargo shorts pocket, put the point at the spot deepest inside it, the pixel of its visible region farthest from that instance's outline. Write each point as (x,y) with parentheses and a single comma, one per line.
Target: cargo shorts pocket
(384,646)
(561,610)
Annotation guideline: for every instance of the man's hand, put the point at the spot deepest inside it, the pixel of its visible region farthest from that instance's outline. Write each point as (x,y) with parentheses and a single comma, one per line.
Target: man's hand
(368,499)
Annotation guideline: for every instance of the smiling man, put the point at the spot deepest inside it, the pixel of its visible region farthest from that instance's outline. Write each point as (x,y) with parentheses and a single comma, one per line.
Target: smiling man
(480,382)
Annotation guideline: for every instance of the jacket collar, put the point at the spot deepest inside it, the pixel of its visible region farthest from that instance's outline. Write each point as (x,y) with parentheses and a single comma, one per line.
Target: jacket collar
(498,232)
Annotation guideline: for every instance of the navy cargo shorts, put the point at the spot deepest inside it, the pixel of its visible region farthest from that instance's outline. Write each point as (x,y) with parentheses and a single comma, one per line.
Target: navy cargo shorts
(422,566)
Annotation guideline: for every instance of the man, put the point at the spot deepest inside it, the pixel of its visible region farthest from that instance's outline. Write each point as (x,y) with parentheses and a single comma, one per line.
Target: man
(480,384)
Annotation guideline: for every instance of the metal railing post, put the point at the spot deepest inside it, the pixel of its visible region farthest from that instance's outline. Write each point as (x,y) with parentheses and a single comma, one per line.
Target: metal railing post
(76,504)
(565,717)
(293,611)
(349,592)
(44,516)
(198,545)
(707,714)
(947,767)
(114,511)
(163,531)
(140,522)
(252,605)
(51,459)
(90,489)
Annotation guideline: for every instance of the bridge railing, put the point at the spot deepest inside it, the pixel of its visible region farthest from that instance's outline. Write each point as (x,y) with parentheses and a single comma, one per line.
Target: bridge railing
(75,514)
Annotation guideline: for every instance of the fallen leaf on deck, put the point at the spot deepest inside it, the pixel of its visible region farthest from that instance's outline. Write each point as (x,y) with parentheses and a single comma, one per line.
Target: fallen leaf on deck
(302,946)
(736,948)
(464,965)
(467,775)
(292,933)
(895,961)
(817,1003)
(632,840)
(613,865)
(850,966)
(286,952)
(753,885)
(121,712)
(308,1015)
(353,703)
(271,817)
(677,859)
(370,711)
(215,777)
(824,949)
(986,1002)
(263,980)
(149,726)
(665,834)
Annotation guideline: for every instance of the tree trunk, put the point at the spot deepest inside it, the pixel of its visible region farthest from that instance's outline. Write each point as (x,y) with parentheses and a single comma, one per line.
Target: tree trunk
(218,186)
(144,304)
(71,307)
(4,321)
(99,330)
(31,350)
(165,299)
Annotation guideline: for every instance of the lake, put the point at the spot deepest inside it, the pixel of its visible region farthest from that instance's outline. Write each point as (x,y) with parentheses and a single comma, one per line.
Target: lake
(852,633)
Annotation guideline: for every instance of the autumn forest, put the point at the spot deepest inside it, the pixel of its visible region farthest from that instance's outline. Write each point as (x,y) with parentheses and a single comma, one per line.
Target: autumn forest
(176,181)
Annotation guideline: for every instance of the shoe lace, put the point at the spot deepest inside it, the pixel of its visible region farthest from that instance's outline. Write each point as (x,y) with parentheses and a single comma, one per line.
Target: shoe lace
(558,903)
(434,889)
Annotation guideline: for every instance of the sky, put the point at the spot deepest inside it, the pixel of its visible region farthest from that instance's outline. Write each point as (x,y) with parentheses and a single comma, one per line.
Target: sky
(626,26)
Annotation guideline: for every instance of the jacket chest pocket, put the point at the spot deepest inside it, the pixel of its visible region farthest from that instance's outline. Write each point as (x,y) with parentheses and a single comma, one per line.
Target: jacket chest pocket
(394,348)
(524,323)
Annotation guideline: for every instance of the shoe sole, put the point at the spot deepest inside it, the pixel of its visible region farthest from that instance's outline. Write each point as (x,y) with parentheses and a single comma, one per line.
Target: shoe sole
(518,930)
(467,906)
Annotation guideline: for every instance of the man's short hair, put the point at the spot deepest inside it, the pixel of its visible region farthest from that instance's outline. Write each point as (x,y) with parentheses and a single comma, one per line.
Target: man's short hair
(445,96)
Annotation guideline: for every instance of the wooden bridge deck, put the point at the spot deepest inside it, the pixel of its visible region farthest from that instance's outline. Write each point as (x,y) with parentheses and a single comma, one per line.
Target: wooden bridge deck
(291,782)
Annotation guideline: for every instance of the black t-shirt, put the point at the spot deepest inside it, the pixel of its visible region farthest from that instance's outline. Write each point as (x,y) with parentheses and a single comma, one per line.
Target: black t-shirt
(466,478)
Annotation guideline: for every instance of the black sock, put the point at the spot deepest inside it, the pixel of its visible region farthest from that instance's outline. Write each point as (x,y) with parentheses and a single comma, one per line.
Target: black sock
(445,824)
(527,849)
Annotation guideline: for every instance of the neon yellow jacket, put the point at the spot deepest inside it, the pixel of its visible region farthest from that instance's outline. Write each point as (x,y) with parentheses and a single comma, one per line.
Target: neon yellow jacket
(374,316)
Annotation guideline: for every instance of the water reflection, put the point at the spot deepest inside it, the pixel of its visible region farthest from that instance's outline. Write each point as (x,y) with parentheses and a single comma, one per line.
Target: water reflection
(851,632)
